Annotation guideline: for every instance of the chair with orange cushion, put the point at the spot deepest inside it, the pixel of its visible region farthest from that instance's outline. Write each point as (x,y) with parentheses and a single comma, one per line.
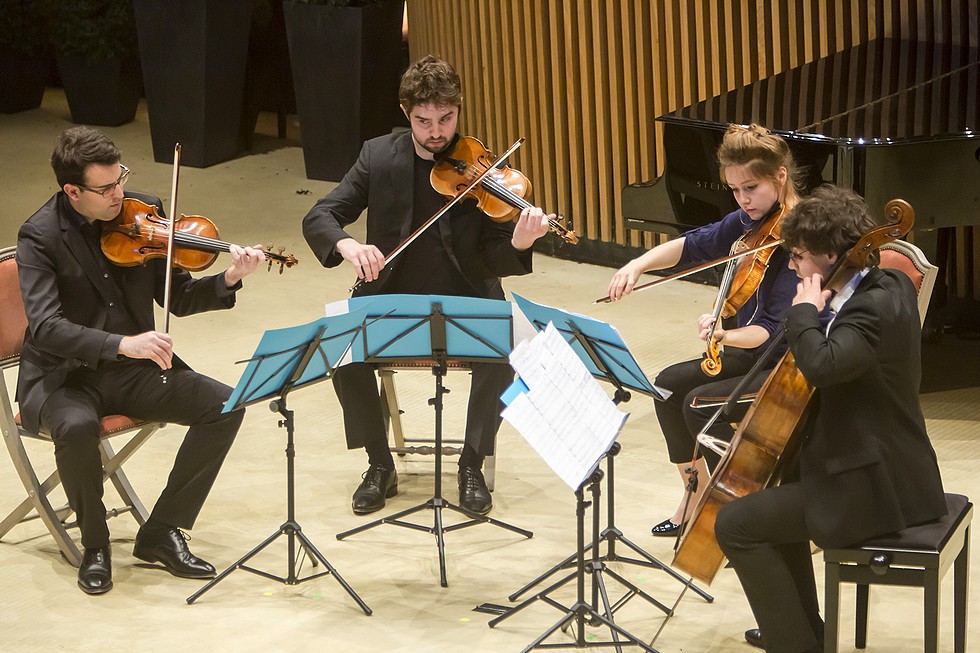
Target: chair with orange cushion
(13,323)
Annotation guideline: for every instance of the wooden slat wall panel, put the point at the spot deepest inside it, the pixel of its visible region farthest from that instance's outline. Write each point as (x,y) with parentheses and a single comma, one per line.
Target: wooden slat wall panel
(582,81)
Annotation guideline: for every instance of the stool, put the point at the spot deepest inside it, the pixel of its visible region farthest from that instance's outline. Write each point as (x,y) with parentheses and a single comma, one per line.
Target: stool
(918,556)
(392,412)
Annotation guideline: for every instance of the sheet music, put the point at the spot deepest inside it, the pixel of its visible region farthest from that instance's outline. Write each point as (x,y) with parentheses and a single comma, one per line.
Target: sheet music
(559,408)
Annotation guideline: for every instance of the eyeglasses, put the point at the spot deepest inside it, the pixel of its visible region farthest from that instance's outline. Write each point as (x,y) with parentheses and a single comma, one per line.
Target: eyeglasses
(796,257)
(105,190)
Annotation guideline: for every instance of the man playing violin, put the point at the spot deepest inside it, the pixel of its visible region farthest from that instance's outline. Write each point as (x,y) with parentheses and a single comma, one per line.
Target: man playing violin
(91,350)
(866,467)
(463,253)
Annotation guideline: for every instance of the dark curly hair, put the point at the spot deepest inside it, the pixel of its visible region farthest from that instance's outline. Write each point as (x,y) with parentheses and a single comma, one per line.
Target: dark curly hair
(430,80)
(76,148)
(830,220)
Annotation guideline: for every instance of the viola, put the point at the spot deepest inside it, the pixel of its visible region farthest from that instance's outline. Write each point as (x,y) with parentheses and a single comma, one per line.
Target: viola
(140,233)
(502,195)
(741,282)
(768,436)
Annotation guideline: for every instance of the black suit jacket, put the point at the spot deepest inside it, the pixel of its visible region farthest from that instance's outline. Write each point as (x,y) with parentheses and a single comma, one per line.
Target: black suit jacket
(382,182)
(867,467)
(68,292)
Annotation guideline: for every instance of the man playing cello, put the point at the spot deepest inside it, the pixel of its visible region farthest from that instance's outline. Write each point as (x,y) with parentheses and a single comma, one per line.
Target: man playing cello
(866,466)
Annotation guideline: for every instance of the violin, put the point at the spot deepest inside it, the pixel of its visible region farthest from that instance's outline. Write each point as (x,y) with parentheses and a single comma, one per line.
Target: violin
(768,436)
(741,282)
(502,195)
(139,233)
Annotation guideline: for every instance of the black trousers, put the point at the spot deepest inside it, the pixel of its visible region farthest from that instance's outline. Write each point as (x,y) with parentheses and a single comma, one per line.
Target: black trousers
(766,539)
(357,388)
(72,415)
(680,423)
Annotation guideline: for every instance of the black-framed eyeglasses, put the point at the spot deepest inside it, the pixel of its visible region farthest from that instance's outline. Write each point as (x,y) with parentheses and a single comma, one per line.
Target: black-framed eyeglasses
(796,257)
(105,190)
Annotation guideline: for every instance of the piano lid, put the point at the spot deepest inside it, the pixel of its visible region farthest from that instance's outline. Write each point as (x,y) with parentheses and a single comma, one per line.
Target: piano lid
(885,91)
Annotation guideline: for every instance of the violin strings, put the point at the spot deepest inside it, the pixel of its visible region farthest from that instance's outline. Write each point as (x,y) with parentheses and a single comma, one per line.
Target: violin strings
(210,244)
(507,195)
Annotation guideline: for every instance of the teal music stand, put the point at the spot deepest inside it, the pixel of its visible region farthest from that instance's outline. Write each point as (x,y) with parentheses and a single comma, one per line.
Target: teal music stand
(607,357)
(434,328)
(285,360)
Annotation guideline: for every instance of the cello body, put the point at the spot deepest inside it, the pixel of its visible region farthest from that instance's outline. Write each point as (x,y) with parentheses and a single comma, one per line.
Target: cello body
(767,437)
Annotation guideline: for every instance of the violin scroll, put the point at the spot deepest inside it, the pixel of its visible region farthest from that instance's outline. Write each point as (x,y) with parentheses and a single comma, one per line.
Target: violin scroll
(276,257)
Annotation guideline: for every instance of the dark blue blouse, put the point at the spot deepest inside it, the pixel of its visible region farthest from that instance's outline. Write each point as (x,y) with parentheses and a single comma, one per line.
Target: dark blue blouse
(766,307)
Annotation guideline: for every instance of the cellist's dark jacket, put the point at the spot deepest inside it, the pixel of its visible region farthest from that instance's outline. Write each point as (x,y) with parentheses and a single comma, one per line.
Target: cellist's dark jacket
(68,291)
(867,467)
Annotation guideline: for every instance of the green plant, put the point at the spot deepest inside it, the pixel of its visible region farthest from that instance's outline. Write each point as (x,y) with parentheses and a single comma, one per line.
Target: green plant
(20,27)
(94,30)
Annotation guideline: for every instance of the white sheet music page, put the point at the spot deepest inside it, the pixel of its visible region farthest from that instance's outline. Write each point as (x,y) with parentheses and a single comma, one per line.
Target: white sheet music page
(559,408)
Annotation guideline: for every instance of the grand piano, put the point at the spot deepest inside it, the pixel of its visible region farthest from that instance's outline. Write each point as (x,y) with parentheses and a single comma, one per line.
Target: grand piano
(887,118)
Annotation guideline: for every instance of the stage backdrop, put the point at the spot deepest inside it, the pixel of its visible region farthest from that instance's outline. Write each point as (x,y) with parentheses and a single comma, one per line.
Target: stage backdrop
(583,80)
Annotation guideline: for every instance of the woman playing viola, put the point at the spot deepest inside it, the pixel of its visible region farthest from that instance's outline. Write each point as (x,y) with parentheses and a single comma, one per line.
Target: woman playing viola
(759,168)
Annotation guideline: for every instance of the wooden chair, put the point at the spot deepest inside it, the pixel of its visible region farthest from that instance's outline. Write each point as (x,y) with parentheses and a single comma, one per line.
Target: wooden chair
(904,256)
(918,556)
(403,444)
(13,323)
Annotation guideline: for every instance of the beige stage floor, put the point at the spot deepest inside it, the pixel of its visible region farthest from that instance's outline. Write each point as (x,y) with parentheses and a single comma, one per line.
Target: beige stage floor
(262,198)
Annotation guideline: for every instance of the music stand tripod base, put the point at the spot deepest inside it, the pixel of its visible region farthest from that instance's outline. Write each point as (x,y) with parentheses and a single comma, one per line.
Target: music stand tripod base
(581,613)
(287,359)
(289,528)
(437,503)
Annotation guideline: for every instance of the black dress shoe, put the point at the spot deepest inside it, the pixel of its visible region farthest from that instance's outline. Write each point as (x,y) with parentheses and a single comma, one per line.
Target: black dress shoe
(95,572)
(379,483)
(666,528)
(754,637)
(473,493)
(168,546)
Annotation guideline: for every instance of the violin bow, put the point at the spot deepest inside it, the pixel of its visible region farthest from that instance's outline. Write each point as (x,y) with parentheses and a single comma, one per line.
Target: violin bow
(168,280)
(441,212)
(694,270)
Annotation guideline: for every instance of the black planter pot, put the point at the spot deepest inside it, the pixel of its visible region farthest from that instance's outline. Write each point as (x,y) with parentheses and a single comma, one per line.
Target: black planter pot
(346,64)
(193,55)
(24,78)
(105,93)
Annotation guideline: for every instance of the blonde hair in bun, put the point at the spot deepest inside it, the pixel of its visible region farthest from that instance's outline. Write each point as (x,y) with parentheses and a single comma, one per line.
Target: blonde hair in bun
(763,154)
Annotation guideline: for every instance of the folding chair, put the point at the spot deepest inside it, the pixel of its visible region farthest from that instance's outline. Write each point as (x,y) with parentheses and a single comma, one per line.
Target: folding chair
(13,323)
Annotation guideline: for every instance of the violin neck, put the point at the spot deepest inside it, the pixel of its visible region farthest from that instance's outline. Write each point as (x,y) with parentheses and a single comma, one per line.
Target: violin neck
(205,244)
(504,194)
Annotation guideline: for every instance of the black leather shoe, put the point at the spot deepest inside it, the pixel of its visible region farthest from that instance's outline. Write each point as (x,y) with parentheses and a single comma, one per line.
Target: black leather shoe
(168,546)
(754,637)
(666,528)
(379,483)
(473,493)
(95,572)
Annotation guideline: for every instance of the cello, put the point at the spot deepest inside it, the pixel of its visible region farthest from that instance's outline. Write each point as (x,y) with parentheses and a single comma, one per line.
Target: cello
(768,436)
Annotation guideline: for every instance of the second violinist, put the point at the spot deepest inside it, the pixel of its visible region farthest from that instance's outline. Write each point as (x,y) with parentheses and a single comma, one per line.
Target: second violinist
(463,253)
(759,168)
